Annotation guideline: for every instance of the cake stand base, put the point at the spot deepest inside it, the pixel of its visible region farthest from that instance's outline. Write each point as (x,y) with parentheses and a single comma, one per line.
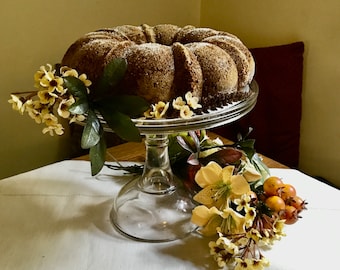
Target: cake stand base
(154,207)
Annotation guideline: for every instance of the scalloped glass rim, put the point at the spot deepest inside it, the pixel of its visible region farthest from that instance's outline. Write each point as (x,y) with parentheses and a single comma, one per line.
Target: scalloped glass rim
(211,119)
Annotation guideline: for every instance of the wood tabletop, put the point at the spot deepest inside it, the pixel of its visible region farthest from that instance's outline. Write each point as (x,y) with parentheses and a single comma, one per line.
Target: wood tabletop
(134,151)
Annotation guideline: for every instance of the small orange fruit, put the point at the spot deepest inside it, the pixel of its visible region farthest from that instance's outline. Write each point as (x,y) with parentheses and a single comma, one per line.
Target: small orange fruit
(287,191)
(275,203)
(290,214)
(272,185)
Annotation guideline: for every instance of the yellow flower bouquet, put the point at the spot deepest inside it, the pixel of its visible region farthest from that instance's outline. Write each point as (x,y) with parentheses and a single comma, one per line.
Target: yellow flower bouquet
(238,201)
(63,93)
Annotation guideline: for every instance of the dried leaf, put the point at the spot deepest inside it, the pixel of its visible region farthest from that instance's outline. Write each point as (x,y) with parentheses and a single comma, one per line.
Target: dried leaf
(224,156)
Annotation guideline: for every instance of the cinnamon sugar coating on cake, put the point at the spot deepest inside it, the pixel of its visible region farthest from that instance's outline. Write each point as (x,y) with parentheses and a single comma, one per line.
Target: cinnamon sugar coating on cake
(150,72)
(166,61)
(188,71)
(218,68)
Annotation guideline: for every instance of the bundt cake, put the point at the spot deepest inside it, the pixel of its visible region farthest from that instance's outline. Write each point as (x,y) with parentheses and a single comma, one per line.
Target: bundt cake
(166,61)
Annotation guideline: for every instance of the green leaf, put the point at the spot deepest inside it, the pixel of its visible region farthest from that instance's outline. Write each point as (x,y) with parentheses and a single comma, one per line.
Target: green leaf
(247,146)
(121,124)
(76,87)
(113,73)
(81,106)
(92,131)
(249,143)
(176,152)
(97,156)
(130,105)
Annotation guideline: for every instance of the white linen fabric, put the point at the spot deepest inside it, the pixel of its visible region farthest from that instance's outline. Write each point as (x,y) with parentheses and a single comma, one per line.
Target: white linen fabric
(57,217)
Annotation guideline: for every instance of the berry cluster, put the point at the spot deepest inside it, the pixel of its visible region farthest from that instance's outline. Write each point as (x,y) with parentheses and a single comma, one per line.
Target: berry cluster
(282,199)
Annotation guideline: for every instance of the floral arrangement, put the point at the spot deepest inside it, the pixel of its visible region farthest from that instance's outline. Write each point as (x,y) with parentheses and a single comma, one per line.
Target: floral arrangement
(62,93)
(239,202)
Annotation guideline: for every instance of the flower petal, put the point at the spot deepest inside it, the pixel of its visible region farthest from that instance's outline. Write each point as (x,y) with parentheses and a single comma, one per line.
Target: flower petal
(227,172)
(209,174)
(207,195)
(208,218)
(202,214)
(235,222)
(185,112)
(239,185)
(210,228)
(251,174)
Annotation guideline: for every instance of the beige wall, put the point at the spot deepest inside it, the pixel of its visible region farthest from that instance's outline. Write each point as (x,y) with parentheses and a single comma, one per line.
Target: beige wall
(34,33)
(37,32)
(317,23)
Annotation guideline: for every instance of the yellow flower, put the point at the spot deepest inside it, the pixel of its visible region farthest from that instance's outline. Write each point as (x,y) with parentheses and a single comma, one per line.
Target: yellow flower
(250,216)
(34,108)
(52,124)
(219,253)
(84,79)
(63,107)
(278,227)
(211,220)
(41,73)
(184,107)
(17,104)
(45,78)
(46,98)
(208,218)
(48,118)
(52,83)
(251,264)
(192,101)
(160,109)
(77,118)
(178,103)
(185,112)
(254,234)
(232,223)
(51,95)
(208,175)
(57,129)
(227,244)
(67,71)
(219,184)
(223,250)
(149,114)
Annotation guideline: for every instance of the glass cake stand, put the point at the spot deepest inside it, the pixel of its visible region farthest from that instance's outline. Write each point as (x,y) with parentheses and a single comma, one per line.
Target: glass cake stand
(155,207)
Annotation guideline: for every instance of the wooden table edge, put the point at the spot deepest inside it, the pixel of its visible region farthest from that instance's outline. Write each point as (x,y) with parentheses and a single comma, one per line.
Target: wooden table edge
(135,151)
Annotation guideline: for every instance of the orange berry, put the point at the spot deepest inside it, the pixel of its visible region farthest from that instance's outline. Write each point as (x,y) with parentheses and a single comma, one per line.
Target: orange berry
(290,214)
(287,191)
(297,202)
(272,185)
(275,203)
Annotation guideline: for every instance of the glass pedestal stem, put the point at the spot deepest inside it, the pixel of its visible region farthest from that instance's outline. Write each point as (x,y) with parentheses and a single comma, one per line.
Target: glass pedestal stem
(157,176)
(154,207)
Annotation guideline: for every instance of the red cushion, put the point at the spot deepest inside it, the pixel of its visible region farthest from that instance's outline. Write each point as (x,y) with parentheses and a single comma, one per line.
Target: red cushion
(277,114)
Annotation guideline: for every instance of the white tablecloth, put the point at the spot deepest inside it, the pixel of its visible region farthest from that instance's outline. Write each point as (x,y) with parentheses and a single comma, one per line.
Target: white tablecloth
(57,217)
